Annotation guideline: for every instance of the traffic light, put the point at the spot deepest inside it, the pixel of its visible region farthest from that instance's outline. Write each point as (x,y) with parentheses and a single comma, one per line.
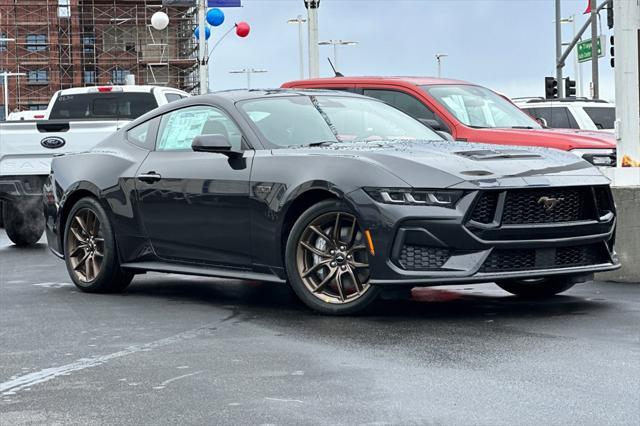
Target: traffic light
(550,88)
(610,15)
(612,51)
(569,88)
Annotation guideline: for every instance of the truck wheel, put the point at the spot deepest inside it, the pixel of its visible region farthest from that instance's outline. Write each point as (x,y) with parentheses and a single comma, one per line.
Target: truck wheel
(23,221)
(537,288)
(1,219)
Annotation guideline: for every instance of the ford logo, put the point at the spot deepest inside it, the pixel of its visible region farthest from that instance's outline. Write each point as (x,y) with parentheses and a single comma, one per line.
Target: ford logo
(52,142)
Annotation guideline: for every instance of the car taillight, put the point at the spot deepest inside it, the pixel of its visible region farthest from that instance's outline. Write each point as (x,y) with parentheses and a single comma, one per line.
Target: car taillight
(105,89)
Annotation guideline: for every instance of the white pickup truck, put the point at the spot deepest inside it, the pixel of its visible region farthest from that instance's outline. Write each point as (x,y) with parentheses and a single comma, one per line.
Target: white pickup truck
(77,120)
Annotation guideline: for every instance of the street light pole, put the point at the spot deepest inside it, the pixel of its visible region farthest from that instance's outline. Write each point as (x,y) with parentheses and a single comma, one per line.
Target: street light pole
(335,44)
(594,49)
(5,77)
(439,57)
(299,21)
(312,18)
(248,72)
(576,64)
(559,49)
(202,36)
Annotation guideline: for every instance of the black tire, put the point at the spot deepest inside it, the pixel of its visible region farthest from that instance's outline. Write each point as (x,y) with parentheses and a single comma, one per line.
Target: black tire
(348,307)
(537,288)
(1,218)
(24,221)
(110,277)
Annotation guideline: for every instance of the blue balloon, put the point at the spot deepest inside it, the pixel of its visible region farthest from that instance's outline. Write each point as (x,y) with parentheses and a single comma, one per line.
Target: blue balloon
(215,17)
(207,32)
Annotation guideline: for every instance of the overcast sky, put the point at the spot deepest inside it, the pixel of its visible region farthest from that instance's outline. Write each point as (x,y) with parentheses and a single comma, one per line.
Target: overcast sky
(507,45)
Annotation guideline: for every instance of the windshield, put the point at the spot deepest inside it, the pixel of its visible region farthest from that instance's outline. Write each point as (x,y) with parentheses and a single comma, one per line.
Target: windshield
(306,120)
(602,117)
(480,107)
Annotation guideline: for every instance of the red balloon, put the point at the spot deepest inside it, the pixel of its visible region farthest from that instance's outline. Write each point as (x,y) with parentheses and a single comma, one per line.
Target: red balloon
(242,29)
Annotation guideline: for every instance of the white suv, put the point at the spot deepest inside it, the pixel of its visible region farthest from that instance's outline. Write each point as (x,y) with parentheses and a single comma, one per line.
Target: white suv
(579,113)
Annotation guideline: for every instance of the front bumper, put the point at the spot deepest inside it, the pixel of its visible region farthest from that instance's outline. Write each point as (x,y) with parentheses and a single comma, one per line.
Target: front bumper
(431,246)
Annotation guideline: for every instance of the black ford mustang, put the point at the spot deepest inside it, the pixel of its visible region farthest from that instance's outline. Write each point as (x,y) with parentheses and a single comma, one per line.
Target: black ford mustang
(339,194)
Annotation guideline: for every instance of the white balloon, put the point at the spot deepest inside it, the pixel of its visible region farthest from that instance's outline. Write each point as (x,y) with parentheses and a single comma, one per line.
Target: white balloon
(159,21)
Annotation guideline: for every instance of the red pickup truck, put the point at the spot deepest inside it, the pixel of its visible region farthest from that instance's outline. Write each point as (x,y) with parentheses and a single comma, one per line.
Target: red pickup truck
(469,112)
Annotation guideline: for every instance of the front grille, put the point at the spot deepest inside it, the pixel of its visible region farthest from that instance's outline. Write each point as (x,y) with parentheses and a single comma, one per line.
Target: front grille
(527,206)
(604,200)
(422,258)
(546,258)
(485,209)
(509,260)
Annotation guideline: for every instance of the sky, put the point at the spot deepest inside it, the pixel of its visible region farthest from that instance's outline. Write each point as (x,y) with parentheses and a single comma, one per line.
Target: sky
(506,45)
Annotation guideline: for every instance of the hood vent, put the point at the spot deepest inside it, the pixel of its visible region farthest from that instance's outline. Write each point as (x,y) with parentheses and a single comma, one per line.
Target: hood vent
(489,154)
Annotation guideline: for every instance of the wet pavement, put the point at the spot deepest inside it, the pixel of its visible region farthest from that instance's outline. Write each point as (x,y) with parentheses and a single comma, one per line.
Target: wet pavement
(185,350)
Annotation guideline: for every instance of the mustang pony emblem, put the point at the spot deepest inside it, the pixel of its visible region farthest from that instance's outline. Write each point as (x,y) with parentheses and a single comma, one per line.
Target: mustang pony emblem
(549,203)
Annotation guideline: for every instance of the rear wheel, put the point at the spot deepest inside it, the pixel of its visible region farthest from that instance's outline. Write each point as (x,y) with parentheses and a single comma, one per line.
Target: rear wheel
(23,221)
(90,250)
(537,288)
(327,261)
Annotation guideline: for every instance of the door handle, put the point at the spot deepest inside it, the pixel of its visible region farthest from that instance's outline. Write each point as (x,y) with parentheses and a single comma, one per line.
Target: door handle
(149,177)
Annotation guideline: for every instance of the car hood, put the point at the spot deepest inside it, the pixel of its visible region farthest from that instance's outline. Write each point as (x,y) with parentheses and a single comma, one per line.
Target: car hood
(565,139)
(446,163)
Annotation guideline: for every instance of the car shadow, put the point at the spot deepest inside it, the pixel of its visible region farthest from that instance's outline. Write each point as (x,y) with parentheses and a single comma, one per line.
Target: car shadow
(274,301)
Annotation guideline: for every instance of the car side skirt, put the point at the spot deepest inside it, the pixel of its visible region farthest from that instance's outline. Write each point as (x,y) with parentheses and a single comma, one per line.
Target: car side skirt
(204,271)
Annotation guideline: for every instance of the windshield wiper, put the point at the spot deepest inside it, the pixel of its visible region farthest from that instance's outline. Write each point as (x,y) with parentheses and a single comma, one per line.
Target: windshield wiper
(320,143)
(522,127)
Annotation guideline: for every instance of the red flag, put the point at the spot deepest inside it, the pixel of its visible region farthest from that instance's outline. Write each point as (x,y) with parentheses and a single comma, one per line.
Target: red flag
(588,8)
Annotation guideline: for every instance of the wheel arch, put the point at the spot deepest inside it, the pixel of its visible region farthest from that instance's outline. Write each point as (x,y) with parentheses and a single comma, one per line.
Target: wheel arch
(300,200)
(79,191)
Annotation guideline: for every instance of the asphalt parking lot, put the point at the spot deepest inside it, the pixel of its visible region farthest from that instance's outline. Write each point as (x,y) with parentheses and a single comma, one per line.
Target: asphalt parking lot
(185,350)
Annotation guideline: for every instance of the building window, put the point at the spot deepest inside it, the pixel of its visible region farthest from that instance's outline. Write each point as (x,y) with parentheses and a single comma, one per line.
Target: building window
(119,76)
(89,77)
(88,41)
(38,77)
(63,9)
(36,42)
(3,43)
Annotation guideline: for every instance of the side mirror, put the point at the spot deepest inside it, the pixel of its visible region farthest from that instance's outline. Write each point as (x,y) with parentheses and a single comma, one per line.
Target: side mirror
(218,144)
(433,124)
(541,121)
(445,135)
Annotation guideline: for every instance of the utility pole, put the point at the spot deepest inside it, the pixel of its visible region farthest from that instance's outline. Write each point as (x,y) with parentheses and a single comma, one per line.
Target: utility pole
(312,18)
(559,49)
(594,48)
(202,57)
(300,21)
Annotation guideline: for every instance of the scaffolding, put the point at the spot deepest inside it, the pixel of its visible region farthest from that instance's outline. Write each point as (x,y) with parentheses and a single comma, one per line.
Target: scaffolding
(74,43)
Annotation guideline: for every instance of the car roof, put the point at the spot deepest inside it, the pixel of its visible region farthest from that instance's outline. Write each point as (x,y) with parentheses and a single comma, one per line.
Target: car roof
(120,89)
(414,81)
(561,102)
(236,95)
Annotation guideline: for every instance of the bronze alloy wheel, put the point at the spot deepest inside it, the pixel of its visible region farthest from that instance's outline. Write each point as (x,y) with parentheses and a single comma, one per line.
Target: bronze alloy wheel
(85,245)
(332,260)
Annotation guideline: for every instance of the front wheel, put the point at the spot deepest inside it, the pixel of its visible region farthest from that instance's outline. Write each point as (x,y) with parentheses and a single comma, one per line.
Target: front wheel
(537,288)
(327,260)
(23,221)
(90,250)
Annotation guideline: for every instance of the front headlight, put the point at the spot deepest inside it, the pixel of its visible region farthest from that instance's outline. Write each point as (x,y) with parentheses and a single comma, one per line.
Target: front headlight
(597,157)
(418,197)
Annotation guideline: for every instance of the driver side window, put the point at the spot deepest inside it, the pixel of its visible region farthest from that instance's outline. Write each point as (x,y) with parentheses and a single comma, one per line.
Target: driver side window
(178,128)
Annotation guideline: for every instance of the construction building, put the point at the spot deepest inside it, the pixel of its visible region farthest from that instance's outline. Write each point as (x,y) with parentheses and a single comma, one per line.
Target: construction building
(57,44)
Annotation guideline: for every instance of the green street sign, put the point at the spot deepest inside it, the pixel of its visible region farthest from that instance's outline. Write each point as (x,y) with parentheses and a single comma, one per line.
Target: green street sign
(584,50)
